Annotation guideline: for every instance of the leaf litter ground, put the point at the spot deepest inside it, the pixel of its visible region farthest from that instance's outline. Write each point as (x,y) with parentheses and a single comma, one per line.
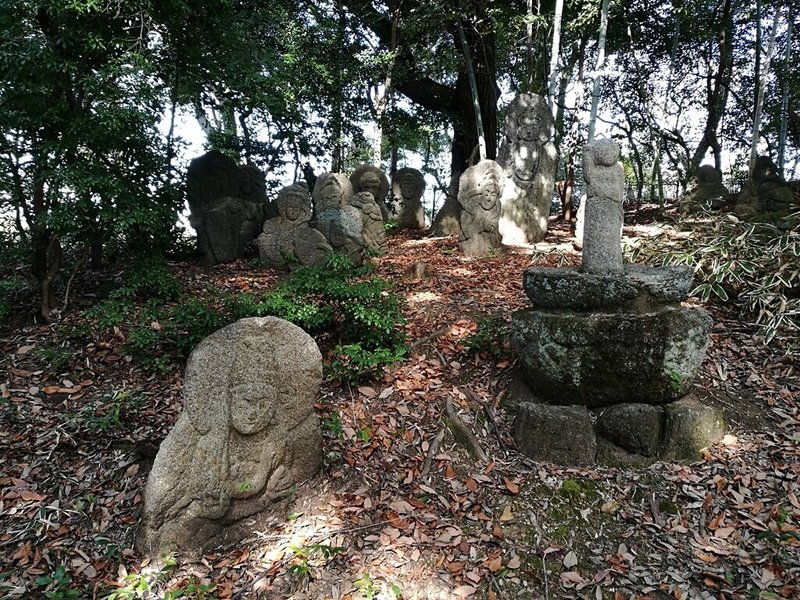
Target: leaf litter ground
(402,508)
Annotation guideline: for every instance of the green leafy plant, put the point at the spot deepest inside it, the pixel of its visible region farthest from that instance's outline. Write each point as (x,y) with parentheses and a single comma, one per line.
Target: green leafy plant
(352,363)
(57,359)
(57,584)
(9,288)
(332,425)
(148,277)
(491,336)
(366,586)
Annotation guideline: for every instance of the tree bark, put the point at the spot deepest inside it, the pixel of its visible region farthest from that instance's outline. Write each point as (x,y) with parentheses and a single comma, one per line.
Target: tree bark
(760,98)
(717,85)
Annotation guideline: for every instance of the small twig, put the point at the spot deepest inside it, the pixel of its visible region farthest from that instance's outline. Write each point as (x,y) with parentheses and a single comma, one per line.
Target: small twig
(463,434)
(487,410)
(434,448)
(428,338)
(69,283)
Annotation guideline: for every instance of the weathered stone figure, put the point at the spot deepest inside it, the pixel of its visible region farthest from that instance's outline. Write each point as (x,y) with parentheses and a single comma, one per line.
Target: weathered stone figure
(705,190)
(288,240)
(408,186)
(339,222)
(605,183)
(479,194)
(247,434)
(765,193)
(257,207)
(371,219)
(210,176)
(369,178)
(528,157)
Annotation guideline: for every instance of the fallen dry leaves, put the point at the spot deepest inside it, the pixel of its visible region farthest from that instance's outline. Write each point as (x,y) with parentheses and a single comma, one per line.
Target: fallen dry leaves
(78,439)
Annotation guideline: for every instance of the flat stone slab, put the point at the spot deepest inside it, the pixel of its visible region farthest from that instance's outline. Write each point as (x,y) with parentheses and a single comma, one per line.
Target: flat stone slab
(637,285)
(600,359)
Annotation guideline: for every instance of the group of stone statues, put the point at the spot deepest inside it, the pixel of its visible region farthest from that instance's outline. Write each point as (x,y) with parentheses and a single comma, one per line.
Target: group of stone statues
(499,202)
(230,210)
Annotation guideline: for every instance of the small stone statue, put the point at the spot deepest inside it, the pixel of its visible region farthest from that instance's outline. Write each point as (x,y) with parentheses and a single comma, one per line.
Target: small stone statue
(479,194)
(219,229)
(605,183)
(288,240)
(369,178)
(705,190)
(371,220)
(765,193)
(528,158)
(247,434)
(339,222)
(408,186)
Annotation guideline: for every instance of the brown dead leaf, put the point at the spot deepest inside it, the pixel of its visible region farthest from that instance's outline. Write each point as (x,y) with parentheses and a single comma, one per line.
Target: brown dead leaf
(511,486)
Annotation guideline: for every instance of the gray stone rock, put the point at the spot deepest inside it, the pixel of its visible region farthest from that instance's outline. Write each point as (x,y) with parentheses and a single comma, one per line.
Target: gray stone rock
(705,191)
(219,230)
(257,207)
(605,183)
(765,193)
(372,223)
(247,434)
(528,157)
(637,428)
(210,177)
(599,359)
(568,288)
(558,434)
(662,284)
(408,186)
(448,218)
(332,190)
(479,192)
(287,240)
(638,288)
(344,231)
(689,427)
(611,455)
(369,178)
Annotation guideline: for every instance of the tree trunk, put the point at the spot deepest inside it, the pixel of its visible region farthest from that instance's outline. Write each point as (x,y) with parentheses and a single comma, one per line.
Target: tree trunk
(383,100)
(760,97)
(601,58)
(785,99)
(717,85)
(473,86)
(555,49)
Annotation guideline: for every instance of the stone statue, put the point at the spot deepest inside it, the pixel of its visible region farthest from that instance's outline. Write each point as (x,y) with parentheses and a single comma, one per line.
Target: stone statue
(339,222)
(369,178)
(258,208)
(479,194)
(211,176)
(605,184)
(528,158)
(408,186)
(219,230)
(371,220)
(288,240)
(247,434)
(705,190)
(765,193)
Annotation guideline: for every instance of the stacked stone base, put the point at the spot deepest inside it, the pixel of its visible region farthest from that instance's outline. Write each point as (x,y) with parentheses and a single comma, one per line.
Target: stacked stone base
(606,363)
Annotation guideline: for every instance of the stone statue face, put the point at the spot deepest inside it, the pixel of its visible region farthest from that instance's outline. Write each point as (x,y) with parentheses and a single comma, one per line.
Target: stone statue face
(409,186)
(370,182)
(488,191)
(293,208)
(332,193)
(252,406)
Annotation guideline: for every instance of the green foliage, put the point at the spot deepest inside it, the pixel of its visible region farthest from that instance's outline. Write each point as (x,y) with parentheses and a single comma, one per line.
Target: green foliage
(149,277)
(753,266)
(366,586)
(332,425)
(107,414)
(352,363)
(491,336)
(57,584)
(56,359)
(307,557)
(8,290)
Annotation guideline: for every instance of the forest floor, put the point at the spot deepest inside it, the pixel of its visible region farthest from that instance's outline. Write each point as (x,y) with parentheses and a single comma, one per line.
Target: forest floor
(390,517)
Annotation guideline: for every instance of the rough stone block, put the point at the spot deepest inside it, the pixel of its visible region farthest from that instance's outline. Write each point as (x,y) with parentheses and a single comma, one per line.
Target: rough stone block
(558,434)
(636,428)
(689,427)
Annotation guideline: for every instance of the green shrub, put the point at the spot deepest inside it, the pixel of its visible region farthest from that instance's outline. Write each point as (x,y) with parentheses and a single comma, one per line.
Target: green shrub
(491,336)
(151,278)
(753,266)
(9,288)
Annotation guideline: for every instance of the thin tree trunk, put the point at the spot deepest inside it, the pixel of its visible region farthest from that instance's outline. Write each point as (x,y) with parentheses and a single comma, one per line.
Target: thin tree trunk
(601,57)
(555,49)
(383,100)
(785,99)
(760,97)
(473,85)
